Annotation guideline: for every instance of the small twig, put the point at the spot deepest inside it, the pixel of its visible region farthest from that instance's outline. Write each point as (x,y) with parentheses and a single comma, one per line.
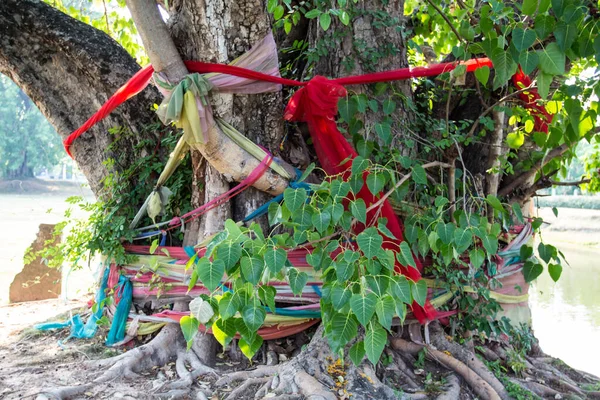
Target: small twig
(575,183)
(460,39)
(452,188)
(106,17)
(490,108)
(401,182)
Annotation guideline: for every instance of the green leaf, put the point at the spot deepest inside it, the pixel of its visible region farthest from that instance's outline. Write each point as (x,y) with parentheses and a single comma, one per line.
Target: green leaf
(419,175)
(189,328)
(358,208)
(306,172)
(490,243)
(357,352)
(253,317)
(344,270)
(529,7)
(544,25)
(384,309)
(555,270)
(552,59)
(529,61)
(476,257)
(389,106)
(340,295)
(229,305)
(369,242)
(407,254)
(546,252)
(294,198)
(210,273)
(275,214)
(532,270)
(229,252)
(339,189)
(275,259)
(495,203)
(250,349)
(343,328)
(504,66)
(321,220)
(375,182)
(278,12)
(401,289)
(377,283)
(252,269)
(522,39)
(462,239)
(303,217)
(565,35)
(384,229)
(201,310)
(297,280)
(525,252)
(375,341)
(483,74)
(314,13)
(445,232)
(515,140)
(245,333)
(518,213)
(363,306)
(558,6)
(419,292)
(359,165)
(384,131)
(344,17)
(224,331)
(267,294)
(234,232)
(543,83)
(154,246)
(325,21)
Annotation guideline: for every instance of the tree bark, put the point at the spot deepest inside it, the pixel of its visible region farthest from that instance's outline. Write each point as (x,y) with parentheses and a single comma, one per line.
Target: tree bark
(219,31)
(69,69)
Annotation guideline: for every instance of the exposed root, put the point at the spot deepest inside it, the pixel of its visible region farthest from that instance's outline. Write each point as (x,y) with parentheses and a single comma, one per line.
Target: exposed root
(162,349)
(66,392)
(468,358)
(480,386)
(244,375)
(248,383)
(541,390)
(453,391)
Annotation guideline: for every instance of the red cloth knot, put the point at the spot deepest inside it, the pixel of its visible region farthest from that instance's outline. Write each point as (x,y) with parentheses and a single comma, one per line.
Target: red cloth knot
(319,98)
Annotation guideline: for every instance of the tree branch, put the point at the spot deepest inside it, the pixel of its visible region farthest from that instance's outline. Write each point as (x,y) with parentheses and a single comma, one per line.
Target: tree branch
(525,176)
(220,151)
(460,39)
(401,182)
(490,108)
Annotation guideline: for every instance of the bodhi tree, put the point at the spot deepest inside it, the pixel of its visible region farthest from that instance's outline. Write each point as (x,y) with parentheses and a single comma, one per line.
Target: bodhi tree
(457,156)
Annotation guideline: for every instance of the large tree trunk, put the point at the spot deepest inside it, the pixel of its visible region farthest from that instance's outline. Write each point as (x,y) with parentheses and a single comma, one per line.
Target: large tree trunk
(68,69)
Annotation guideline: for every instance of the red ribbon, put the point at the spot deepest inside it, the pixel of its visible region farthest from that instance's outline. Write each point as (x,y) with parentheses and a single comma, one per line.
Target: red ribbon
(316,104)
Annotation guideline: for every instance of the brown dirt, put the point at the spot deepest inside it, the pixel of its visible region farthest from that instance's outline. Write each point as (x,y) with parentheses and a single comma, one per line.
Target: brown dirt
(32,361)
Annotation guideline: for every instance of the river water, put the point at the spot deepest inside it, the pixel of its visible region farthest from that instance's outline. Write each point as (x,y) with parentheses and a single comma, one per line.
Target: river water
(566,314)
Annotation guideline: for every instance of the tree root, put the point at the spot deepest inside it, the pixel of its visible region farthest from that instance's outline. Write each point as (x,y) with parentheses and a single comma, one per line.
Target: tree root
(62,393)
(166,346)
(453,392)
(162,349)
(468,358)
(479,385)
